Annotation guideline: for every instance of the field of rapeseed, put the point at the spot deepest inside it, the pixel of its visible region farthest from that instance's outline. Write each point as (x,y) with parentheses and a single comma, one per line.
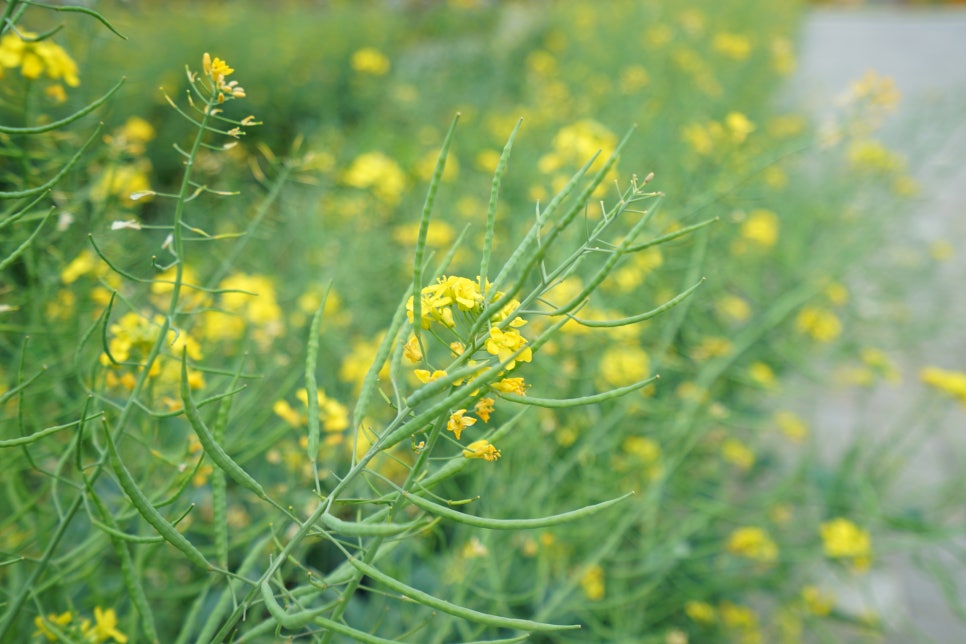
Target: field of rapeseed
(439,322)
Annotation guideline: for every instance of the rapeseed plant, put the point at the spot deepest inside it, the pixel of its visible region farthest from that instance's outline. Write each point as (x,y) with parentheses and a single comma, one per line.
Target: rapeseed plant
(281,408)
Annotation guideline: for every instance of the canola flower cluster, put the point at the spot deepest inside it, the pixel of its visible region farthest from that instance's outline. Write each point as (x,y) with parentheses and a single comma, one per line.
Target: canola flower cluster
(103,629)
(36,58)
(450,309)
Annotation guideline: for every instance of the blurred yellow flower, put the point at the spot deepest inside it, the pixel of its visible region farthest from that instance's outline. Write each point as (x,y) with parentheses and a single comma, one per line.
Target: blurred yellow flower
(370,60)
(739,127)
(879,91)
(701,612)
(733,307)
(487,160)
(872,156)
(712,347)
(37,58)
(819,323)
(782,55)
(633,78)
(592,583)
(731,45)
(761,227)
(762,374)
(438,234)
(837,294)
(817,602)
(377,172)
(129,182)
(624,365)
(41,623)
(842,539)
(753,543)
(793,427)
(948,382)
(737,617)
(737,453)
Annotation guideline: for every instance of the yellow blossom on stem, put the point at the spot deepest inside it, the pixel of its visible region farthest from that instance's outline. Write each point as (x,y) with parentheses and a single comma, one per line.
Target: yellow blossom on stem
(458,422)
(948,382)
(483,408)
(105,626)
(503,344)
(57,620)
(424,375)
(411,350)
(482,449)
(842,539)
(511,386)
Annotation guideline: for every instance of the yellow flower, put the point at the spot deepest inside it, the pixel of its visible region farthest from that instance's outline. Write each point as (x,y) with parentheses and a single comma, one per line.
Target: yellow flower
(837,294)
(458,422)
(620,366)
(791,425)
(642,447)
(733,307)
(36,58)
(761,227)
(332,413)
(737,453)
(948,382)
(438,235)
(57,620)
(482,449)
(699,137)
(411,350)
(816,602)
(483,408)
(872,156)
(378,172)
(633,79)
(842,539)
(731,45)
(701,612)
(217,70)
(425,375)
(739,617)
(753,543)
(511,386)
(592,582)
(287,413)
(739,127)
(711,348)
(130,182)
(879,91)
(503,344)
(370,60)
(821,324)
(105,627)
(576,143)
(762,374)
